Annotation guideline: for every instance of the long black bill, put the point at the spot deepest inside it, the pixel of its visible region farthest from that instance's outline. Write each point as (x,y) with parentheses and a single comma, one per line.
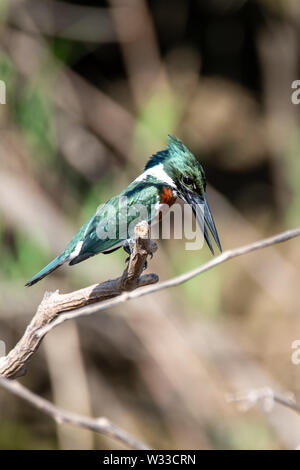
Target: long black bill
(202,211)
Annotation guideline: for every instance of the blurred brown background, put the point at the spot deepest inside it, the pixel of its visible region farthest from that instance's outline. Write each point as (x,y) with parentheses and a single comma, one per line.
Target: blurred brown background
(92,89)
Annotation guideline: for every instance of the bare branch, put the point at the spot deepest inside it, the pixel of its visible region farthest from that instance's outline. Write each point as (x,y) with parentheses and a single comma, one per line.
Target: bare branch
(267,397)
(175,281)
(101,425)
(49,313)
(13,365)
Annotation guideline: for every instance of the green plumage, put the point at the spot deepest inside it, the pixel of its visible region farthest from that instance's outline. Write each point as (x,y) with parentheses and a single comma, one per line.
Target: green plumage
(144,193)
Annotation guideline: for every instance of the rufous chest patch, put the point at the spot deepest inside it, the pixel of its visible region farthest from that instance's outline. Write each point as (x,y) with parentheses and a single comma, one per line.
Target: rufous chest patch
(167,196)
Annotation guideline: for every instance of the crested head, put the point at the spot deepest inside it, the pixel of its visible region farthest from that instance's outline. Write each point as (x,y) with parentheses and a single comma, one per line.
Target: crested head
(180,164)
(174,149)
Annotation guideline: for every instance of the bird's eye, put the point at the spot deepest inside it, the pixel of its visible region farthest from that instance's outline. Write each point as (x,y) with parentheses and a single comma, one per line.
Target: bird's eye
(187,181)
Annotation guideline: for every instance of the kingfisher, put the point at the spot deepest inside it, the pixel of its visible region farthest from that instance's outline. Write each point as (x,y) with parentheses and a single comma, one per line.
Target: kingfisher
(169,174)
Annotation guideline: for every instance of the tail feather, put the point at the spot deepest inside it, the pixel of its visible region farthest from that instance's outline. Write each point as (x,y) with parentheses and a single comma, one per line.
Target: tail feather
(54,264)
